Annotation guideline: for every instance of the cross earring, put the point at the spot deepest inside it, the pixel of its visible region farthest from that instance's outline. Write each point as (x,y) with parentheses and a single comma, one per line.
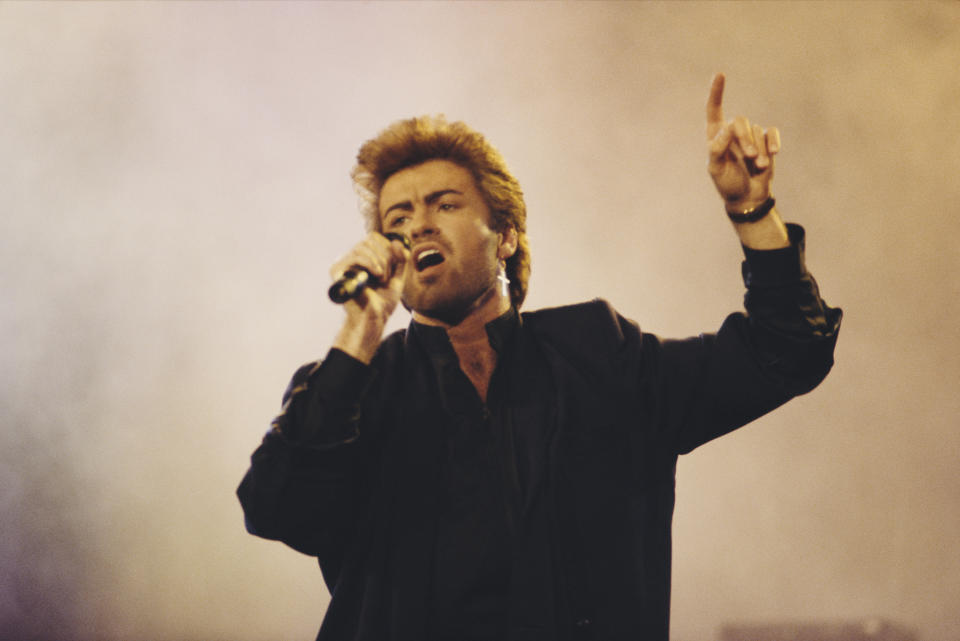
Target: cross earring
(502,277)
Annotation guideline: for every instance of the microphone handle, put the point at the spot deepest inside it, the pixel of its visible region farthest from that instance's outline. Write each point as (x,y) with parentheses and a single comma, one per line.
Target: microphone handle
(355,280)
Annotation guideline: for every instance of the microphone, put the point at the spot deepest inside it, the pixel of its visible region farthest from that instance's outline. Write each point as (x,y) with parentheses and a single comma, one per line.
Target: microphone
(356,279)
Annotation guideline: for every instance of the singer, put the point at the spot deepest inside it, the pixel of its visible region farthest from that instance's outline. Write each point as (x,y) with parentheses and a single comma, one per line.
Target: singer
(488,474)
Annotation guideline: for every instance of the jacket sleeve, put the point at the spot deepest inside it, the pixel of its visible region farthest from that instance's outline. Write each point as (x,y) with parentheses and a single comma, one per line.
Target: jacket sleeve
(305,485)
(781,347)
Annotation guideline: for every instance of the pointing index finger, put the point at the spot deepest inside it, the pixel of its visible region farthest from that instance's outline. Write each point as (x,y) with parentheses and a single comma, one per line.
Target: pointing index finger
(715,106)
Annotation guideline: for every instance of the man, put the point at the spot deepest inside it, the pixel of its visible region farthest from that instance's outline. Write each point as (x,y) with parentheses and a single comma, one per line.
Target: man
(490,475)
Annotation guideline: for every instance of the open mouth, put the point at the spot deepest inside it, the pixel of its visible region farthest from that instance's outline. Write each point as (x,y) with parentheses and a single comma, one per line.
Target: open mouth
(428,258)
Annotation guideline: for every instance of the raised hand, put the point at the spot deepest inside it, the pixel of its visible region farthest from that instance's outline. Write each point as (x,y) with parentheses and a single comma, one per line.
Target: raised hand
(740,154)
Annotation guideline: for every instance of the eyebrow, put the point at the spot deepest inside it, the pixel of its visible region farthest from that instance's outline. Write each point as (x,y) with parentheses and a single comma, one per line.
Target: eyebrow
(431,198)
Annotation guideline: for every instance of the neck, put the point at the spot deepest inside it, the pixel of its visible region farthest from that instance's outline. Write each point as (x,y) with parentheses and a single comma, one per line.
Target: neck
(470,327)
(469,339)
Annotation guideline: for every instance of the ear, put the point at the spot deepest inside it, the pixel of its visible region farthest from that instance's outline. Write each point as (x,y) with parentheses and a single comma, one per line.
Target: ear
(508,243)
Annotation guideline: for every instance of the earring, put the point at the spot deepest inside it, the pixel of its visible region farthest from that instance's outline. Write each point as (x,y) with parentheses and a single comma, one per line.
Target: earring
(502,277)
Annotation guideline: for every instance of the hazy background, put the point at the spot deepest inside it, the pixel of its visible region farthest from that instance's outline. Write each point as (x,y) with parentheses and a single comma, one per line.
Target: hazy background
(174,184)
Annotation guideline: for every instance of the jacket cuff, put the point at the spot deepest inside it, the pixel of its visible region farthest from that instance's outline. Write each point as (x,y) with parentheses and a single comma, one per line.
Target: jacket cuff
(341,379)
(775,267)
(322,403)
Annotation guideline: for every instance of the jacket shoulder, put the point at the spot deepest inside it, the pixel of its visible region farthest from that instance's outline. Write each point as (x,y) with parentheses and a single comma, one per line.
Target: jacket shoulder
(588,329)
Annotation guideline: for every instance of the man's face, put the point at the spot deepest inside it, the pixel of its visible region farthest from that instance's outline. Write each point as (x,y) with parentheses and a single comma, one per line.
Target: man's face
(453,266)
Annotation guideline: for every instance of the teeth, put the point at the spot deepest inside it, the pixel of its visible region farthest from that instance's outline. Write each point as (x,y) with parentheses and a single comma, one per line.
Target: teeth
(425,253)
(428,257)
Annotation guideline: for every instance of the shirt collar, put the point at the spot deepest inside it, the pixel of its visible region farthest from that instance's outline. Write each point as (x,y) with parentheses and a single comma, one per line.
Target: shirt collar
(500,331)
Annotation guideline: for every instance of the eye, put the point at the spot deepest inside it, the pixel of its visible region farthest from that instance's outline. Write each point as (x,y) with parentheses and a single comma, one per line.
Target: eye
(447,207)
(396,221)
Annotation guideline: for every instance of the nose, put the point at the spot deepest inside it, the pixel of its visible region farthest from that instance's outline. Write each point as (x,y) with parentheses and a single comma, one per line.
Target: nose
(422,224)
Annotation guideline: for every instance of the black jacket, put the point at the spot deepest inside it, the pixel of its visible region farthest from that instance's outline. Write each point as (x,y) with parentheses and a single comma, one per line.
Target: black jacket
(348,473)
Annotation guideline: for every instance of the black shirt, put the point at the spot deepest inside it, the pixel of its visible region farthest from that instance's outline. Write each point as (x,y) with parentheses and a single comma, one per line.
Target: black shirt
(492,509)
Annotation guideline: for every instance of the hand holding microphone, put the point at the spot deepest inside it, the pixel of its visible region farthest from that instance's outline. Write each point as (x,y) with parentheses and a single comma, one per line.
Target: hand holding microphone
(369,281)
(356,278)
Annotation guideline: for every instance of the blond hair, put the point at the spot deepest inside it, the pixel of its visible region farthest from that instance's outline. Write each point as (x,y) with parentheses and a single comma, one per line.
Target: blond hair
(407,143)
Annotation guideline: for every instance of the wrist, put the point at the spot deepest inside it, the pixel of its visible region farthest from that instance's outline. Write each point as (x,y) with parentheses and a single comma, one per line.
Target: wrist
(751,213)
(769,232)
(360,338)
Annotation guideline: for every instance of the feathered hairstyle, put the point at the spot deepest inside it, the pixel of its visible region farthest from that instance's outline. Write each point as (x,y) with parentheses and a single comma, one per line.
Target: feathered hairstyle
(407,143)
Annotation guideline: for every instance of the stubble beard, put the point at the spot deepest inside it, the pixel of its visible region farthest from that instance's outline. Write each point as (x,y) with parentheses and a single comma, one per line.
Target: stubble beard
(452,296)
